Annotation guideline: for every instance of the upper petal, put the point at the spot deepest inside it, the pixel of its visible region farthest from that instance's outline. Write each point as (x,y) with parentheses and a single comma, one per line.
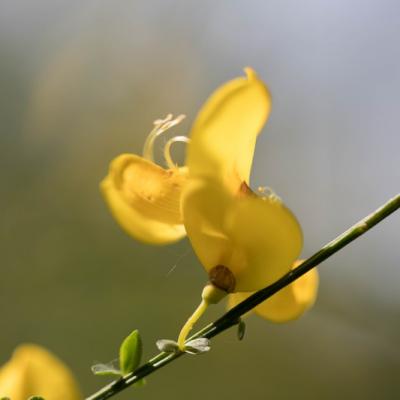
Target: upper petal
(224,134)
(33,370)
(256,238)
(145,198)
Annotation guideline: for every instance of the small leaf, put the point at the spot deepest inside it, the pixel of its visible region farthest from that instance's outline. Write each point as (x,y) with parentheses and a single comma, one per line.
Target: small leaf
(140,383)
(241,330)
(167,346)
(5,398)
(130,353)
(105,369)
(198,346)
(30,398)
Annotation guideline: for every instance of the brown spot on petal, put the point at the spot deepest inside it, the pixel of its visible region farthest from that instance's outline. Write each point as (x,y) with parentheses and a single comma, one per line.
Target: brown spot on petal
(222,277)
(245,190)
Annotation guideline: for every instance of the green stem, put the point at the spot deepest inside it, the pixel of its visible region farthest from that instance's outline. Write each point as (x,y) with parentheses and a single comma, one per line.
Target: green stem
(232,317)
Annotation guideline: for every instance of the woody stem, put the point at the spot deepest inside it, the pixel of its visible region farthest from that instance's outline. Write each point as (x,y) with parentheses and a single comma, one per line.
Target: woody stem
(232,317)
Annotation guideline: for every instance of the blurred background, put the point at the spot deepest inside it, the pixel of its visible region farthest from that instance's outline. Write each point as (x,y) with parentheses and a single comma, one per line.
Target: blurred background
(82,82)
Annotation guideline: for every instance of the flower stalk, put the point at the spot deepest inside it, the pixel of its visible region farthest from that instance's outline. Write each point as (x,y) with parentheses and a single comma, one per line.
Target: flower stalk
(232,317)
(190,322)
(211,295)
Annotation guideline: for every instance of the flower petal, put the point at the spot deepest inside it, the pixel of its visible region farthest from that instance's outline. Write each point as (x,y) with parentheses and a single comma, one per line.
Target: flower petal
(33,370)
(270,238)
(224,134)
(287,304)
(256,238)
(145,198)
(203,208)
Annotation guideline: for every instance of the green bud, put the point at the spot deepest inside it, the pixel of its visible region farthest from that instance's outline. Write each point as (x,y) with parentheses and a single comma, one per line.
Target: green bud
(198,346)
(105,369)
(241,330)
(130,353)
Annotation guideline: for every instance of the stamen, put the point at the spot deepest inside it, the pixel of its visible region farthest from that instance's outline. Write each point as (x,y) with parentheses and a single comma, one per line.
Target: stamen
(268,193)
(167,149)
(262,189)
(160,126)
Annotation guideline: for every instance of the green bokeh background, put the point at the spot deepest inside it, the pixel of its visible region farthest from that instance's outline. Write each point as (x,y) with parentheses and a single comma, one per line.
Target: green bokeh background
(81,82)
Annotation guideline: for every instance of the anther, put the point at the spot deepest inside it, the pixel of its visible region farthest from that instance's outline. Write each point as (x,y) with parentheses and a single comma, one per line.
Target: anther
(268,193)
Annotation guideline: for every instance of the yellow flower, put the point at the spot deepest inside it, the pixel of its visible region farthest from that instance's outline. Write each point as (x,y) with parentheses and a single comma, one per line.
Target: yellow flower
(244,240)
(33,371)
(255,237)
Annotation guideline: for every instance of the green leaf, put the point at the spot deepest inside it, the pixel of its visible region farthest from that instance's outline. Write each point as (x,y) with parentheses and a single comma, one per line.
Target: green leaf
(105,369)
(130,353)
(32,398)
(140,383)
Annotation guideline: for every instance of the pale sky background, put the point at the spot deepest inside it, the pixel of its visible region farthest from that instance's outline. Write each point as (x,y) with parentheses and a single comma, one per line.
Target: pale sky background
(81,82)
